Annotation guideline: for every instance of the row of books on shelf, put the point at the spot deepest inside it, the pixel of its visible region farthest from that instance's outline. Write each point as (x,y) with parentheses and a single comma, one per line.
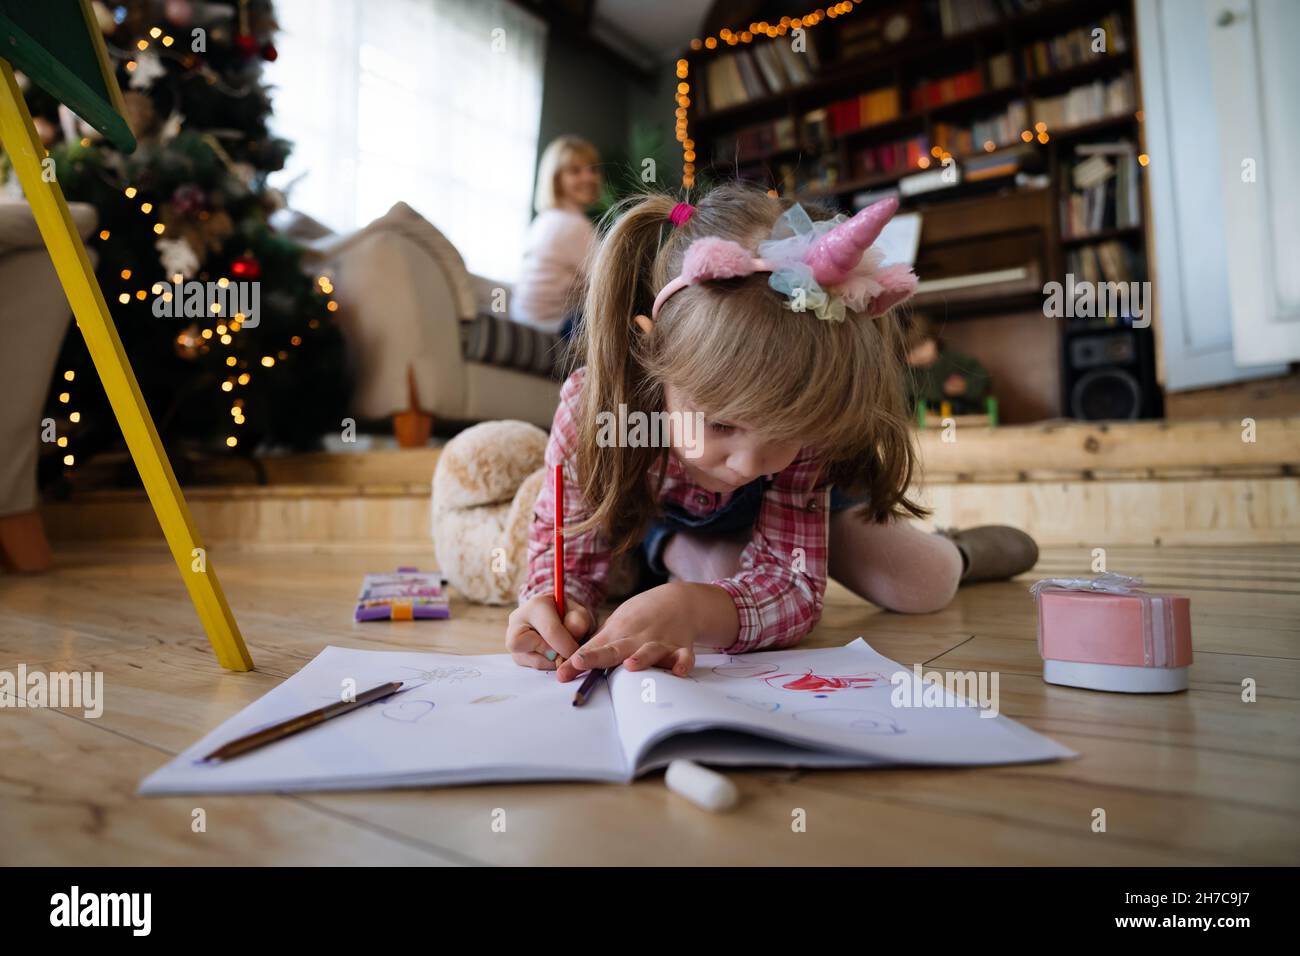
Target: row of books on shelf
(759,70)
(868,109)
(1080,45)
(1079,105)
(755,142)
(907,166)
(962,16)
(959,86)
(1084,104)
(887,158)
(1109,261)
(989,132)
(1104,192)
(1088,103)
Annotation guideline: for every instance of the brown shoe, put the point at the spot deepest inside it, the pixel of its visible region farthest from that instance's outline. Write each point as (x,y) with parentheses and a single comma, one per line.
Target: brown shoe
(992,552)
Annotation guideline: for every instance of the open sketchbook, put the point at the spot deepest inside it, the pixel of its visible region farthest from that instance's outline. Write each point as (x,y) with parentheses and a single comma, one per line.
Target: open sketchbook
(481,719)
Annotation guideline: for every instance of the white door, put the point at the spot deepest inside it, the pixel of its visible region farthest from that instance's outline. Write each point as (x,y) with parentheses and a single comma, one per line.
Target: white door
(1257,102)
(1188,235)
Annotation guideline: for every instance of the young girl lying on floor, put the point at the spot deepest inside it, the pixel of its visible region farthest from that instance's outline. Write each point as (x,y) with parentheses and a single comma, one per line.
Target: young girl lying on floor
(770,325)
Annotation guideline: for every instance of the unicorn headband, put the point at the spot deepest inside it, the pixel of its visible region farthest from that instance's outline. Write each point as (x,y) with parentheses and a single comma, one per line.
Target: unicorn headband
(825,266)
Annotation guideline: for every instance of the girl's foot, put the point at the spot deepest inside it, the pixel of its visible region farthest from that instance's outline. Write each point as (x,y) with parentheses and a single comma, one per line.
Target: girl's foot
(992,552)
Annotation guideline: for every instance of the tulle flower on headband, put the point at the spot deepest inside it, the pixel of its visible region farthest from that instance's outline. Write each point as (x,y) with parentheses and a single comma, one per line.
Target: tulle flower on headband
(829,265)
(823,267)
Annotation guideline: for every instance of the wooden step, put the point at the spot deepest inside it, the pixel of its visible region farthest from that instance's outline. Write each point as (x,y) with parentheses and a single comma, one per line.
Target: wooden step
(1068,484)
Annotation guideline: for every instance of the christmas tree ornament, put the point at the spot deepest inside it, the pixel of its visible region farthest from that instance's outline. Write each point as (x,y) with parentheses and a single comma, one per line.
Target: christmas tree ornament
(189,199)
(171,128)
(246,267)
(148,69)
(269,53)
(177,257)
(179,13)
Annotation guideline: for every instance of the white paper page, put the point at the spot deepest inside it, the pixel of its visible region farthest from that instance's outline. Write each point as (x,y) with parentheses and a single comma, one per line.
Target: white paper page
(836,699)
(471,719)
(900,239)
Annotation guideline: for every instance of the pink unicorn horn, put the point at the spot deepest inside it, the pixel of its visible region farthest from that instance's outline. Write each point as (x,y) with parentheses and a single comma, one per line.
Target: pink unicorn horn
(835,254)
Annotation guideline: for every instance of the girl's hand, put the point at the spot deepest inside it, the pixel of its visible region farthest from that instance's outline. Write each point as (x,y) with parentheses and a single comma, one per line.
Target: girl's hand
(658,628)
(536,637)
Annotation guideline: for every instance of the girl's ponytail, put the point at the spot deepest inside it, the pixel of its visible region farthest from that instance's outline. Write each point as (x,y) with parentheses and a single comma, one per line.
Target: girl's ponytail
(623,280)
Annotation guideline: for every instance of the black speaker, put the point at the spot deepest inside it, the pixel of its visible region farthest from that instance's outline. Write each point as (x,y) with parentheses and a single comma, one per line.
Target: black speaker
(1109,373)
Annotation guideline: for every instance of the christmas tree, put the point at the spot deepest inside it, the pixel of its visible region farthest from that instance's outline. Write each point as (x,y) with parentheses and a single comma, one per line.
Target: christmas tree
(233,344)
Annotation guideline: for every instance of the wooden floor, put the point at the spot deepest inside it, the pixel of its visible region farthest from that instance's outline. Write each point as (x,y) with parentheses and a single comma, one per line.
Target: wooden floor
(1190,778)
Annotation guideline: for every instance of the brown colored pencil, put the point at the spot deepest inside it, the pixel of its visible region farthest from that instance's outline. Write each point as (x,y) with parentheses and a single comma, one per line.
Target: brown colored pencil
(293,725)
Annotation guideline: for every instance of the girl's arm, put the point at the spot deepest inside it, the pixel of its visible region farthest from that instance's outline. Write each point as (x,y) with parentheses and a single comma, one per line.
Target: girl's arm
(586,555)
(779,591)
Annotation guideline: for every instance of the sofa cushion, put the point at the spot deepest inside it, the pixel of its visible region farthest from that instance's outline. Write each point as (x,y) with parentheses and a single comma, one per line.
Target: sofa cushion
(496,340)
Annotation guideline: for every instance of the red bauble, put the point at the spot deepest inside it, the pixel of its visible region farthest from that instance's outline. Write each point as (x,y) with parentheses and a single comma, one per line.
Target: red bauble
(246,267)
(246,44)
(269,53)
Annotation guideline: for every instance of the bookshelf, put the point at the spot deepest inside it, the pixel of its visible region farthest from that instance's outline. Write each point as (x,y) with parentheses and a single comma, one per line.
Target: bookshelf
(895,95)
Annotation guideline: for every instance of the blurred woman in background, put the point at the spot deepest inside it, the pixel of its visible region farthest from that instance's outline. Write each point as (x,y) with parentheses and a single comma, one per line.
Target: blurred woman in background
(560,239)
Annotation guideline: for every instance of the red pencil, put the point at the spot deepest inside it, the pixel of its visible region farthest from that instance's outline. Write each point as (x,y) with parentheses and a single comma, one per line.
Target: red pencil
(559,540)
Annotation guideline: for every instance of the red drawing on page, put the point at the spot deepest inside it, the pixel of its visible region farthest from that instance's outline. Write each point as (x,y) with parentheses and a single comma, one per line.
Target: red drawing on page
(821,683)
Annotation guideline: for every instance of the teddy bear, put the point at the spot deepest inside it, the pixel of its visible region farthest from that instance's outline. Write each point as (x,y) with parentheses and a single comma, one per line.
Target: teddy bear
(484,487)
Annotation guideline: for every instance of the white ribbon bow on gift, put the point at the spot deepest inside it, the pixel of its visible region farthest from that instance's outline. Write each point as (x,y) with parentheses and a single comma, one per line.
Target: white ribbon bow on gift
(1110,583)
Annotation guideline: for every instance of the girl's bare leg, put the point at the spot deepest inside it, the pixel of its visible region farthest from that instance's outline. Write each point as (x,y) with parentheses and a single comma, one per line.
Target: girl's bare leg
(894,565)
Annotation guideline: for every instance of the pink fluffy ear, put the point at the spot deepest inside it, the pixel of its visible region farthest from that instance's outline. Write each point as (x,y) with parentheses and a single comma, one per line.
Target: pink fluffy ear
(898,283)
(715,258)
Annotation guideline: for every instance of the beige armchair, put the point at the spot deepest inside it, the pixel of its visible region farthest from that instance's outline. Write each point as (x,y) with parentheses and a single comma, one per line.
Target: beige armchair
(403,291)
(34,316)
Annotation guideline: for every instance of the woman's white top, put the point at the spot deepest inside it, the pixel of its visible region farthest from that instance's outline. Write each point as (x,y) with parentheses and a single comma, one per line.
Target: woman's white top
(555,254)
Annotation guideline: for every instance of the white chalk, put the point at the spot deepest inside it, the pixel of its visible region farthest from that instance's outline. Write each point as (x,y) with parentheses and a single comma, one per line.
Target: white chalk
(701,786)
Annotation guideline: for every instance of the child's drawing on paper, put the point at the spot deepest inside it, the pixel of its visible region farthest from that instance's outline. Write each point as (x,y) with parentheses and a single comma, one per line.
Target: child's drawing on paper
(821,683)
(408,711)
(453,674)
(738,667)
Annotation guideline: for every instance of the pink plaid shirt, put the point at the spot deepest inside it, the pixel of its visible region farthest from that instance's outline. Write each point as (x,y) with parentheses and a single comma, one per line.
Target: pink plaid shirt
(779,589)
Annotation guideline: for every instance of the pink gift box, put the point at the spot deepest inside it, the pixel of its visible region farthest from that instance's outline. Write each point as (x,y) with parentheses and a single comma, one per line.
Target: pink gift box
(1107,635)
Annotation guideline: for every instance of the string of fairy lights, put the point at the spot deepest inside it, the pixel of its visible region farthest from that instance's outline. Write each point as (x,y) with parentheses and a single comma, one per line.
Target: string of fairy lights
(729,37)
(223,331)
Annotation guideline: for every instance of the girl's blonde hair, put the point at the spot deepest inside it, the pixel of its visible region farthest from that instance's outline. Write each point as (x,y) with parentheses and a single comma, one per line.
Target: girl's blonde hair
(559,153)
(740,354)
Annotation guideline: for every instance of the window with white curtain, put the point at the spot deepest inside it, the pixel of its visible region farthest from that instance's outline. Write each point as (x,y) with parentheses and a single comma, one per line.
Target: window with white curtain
(435,103)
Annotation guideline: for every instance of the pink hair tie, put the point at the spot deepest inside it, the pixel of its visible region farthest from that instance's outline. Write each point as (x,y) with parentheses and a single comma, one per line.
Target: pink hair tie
(681,213)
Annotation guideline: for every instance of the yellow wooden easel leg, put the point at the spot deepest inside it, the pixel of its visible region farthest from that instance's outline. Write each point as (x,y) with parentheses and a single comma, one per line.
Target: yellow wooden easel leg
(83,292)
